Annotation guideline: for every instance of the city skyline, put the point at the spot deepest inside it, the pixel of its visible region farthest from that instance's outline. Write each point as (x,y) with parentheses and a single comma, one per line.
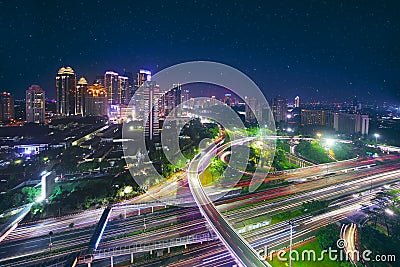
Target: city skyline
(349,51)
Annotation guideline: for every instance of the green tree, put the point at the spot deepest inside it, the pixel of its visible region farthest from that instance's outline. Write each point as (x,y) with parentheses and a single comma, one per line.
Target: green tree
(328,236)
(30,193)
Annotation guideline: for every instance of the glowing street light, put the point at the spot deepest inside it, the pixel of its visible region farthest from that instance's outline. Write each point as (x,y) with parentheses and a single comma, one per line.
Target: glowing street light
(390,212)
(330,142)
(319,135)
(376,137)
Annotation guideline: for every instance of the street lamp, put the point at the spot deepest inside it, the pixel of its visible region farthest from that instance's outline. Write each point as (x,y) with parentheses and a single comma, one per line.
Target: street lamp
(376,137)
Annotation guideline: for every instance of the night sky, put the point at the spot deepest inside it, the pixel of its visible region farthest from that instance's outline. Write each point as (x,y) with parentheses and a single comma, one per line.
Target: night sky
(329,50)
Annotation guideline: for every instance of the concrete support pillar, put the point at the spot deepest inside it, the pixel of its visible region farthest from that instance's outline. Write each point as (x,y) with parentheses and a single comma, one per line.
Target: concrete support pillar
(185,246)
(112,261)
(169,250)
(138,212)
(151,252)
(152,209)
(89,264)
(125,214)
(131,257)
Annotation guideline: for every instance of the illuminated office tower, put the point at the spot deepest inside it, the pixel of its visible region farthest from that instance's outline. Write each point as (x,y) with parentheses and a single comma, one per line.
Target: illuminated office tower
(66,92)
(151,98)
(297,102)
(81,89)
(6,106)
(142,76)
(138,99)
(112,86)
(317,118)
(35,104)
(96,102)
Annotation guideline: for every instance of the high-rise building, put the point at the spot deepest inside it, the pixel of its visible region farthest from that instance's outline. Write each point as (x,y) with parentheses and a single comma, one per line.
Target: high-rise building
(66,92)
(96,101)
(81,89)
(185,96)
(35,104)
(297,102)
(131,85)
(253,110)
(147,101)
(124,89)
(316,118)
(112,86)
(170,100)
(348,123)
(279,109)
(6,106)
(142,76)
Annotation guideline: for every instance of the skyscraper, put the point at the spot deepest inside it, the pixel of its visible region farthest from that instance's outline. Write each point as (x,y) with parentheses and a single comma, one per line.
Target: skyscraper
(80,96)
(349,123)
(96,103)
(124,89)
(35,104)
(185,95)
(66,92)
(131,85)
(317,118)
(147,101)
(297,102)
(253,110)
(279,109)
(111,84)
(142,76)
(171,99)
(6,106)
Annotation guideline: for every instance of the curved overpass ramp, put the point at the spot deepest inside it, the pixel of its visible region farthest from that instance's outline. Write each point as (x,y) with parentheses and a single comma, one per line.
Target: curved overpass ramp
(241,251)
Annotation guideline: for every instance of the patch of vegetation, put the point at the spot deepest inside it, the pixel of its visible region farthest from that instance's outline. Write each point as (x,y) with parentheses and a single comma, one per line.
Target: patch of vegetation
(16,198)
(313,152)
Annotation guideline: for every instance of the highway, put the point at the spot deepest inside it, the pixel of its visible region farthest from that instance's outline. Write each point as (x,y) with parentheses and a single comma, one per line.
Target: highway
(32,238)
(241,251)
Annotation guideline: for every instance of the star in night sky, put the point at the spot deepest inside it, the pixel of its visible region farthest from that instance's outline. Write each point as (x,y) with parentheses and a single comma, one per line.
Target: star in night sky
(329,50)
